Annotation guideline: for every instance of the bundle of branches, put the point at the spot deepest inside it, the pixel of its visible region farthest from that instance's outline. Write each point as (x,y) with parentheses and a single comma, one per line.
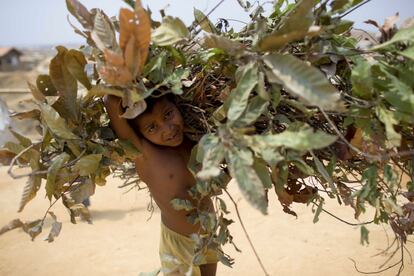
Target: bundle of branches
(289,103)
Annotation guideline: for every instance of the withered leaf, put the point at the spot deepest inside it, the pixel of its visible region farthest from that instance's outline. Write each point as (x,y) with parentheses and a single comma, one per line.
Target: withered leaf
(56,228)
(16,223)
(88,164)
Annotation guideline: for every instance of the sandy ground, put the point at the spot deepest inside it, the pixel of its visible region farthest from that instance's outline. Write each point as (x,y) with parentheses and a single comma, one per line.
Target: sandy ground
(122,242)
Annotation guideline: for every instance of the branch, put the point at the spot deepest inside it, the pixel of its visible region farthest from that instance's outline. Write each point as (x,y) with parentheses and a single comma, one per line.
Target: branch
(245,232)
(9,171)
(54,202)
(354,8)
(342,220)
(376,157)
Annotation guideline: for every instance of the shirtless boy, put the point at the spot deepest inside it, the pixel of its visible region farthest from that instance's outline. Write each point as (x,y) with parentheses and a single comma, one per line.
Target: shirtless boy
(158,134)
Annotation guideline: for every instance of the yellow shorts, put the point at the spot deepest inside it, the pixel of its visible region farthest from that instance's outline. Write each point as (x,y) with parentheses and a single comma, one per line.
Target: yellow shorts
(177,252)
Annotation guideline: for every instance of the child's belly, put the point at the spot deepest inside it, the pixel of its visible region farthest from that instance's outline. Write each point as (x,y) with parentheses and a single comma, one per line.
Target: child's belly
(177,220)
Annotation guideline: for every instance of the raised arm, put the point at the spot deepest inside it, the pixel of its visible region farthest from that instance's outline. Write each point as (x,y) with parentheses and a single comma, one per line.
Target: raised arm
(120,125)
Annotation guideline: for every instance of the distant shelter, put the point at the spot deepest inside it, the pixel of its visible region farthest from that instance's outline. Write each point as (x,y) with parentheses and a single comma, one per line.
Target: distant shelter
(10,59)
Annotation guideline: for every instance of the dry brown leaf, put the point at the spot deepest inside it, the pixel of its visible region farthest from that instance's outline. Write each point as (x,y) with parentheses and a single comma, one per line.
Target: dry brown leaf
(390,22)
(137,26)
(142,33)
(16,223)
(115,71)
(132,56)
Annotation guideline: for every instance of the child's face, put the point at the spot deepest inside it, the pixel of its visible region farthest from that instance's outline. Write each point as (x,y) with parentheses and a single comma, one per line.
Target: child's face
(163,125)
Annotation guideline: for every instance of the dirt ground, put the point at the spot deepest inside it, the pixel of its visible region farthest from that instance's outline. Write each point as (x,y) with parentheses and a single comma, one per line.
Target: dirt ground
(122,241)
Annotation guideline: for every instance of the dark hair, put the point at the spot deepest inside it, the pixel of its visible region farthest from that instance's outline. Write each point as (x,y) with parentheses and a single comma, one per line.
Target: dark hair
(150,101)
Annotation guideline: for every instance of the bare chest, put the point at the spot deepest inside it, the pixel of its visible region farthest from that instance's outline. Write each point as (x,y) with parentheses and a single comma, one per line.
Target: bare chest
(165,173)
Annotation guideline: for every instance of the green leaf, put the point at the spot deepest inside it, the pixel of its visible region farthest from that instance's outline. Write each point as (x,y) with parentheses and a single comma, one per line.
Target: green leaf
(53,170)
(303,166)
(103,33)
(406,34)
(88,164)
(75,63)
(174,80)
(80,12)
(130,151)
(261,90)
(171,31)
(362,86)
(231,47)
(294,26)
(339,4)
(156,68)
(181,204)
(256,107)
(318,210)
(208,221)
(131,3)
(64,82)
(25,142)
(399,94)
(409,52)
(343,26)
(323,171)
(101,90)
(331,166)
(303,80)
(212,156)
(55,123)
(302,140)
(240,163)
(263,172)
(223,206)
(240,95)
(388,118)
(364,235)
(204,22)
(369,188)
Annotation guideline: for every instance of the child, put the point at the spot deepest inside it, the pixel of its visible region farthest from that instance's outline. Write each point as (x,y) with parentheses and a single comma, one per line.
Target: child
(158,134)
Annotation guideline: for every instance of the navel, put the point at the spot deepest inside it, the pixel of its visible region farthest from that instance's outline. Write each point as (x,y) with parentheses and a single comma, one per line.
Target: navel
(171,176)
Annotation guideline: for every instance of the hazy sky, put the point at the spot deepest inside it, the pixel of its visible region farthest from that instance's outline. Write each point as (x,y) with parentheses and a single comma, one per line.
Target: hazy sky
(40,22)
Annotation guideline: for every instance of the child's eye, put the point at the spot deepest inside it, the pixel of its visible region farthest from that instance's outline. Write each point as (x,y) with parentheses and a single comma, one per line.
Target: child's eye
(168,114)
(151,129)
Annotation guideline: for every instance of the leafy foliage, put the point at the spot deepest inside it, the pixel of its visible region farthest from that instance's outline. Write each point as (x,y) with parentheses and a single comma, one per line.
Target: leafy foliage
(289,99)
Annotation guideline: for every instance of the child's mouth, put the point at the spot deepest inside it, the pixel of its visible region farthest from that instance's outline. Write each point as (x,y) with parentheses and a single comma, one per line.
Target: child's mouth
(173,137)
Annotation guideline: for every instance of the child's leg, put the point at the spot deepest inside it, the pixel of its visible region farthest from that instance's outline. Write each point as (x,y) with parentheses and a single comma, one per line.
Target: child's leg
(208,269)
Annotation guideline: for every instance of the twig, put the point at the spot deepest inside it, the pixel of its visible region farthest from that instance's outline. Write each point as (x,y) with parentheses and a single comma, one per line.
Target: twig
(246,234)
(235,20)
(39,172)
(150,208)
(354,8)
(54,202)
(342,220)
(376,157)
(392,255)
(9,171)
(375,272)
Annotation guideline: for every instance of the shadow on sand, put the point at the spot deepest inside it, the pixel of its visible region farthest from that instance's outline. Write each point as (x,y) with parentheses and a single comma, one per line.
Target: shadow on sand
(113,214)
